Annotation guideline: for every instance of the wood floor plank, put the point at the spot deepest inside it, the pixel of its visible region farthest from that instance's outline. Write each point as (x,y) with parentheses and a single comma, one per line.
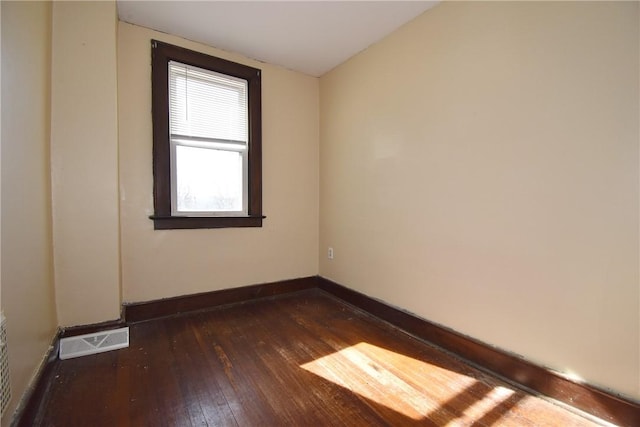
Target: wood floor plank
(358,361)
(349,364)
(242,370)
(206,402)
(299,359)
(297,380)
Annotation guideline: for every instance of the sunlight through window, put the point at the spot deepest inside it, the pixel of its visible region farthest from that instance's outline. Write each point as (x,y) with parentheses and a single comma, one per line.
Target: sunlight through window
(376,373)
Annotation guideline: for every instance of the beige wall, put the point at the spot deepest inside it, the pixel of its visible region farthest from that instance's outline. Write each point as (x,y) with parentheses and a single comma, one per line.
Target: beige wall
(157,264)
(479,167)
(84,159)
(27,280)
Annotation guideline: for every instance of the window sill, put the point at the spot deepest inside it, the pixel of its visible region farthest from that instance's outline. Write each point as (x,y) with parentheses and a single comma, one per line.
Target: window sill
(192,222)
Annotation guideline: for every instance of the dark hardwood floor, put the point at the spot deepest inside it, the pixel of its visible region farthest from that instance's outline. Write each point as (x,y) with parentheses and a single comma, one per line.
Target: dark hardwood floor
(303,359)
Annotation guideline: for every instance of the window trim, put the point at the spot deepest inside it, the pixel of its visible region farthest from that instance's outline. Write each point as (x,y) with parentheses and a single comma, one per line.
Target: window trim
(161,54)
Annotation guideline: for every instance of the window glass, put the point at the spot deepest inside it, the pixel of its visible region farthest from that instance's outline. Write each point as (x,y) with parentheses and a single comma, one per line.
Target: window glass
(208,180)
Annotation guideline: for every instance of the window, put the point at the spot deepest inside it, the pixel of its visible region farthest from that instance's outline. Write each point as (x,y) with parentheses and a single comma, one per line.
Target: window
(207,150)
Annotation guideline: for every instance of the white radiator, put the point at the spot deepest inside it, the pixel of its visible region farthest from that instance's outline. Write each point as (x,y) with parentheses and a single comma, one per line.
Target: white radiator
(5,383)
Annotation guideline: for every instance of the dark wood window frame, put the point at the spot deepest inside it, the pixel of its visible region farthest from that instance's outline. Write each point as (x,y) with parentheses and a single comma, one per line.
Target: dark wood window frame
(161,54)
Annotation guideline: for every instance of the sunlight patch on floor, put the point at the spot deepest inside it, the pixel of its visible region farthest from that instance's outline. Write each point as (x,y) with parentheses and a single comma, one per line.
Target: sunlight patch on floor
(401,383)
(482,407)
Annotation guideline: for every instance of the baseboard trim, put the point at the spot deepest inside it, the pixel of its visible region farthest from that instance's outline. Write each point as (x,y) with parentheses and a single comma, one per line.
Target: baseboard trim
(588,398)
(24,414)
(73,331)
(142,311)
(585,397)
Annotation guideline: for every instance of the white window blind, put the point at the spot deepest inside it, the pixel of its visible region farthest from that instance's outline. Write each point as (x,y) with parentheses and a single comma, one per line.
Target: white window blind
(208,125)
(206,104)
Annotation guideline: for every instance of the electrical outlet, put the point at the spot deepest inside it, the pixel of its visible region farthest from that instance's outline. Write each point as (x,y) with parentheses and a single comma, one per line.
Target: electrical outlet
(330,253)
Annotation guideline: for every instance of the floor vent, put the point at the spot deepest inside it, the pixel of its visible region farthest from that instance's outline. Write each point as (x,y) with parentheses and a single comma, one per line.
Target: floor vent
(5,383)
(99,342)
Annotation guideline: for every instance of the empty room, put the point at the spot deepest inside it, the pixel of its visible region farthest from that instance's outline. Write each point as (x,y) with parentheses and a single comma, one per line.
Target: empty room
(307,213)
